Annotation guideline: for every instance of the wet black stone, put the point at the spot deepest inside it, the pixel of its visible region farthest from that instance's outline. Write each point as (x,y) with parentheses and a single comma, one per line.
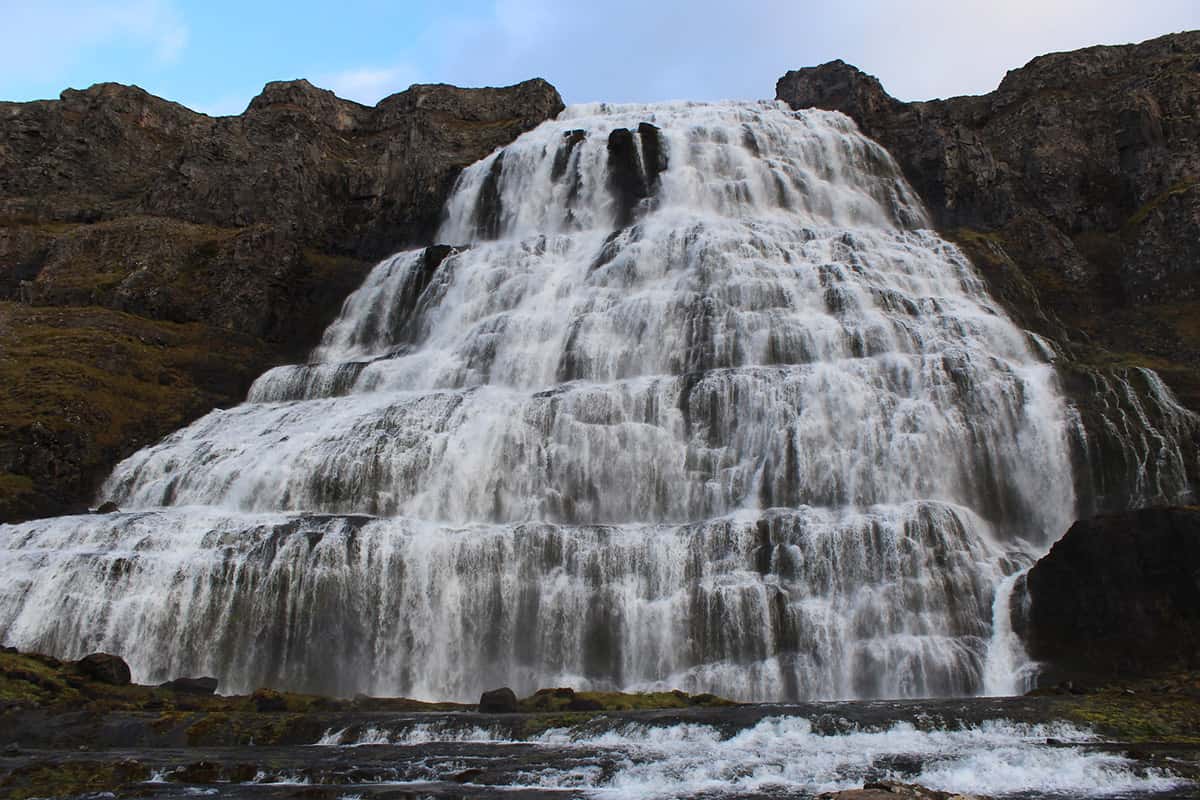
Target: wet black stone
(498,701)
(204,685)
(562,157)
(488,210)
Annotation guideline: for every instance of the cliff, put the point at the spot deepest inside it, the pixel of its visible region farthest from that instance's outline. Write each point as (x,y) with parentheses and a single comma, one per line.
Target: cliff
(1117,597)
(154,260)
(1075,189)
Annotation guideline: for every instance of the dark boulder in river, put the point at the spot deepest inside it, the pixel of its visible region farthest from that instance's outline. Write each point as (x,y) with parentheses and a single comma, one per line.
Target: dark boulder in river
(498,701)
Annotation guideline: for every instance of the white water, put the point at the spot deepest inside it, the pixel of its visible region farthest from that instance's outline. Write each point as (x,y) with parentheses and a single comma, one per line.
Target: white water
(771,440)
(1007,669)
(785,756)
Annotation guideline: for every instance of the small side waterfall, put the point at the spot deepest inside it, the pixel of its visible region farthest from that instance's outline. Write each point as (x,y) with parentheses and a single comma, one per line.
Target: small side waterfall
(692,401)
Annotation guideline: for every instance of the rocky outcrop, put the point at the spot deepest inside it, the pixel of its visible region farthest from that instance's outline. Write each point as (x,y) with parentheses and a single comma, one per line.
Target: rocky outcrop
(154,260)
(1117,597)
(1075,189)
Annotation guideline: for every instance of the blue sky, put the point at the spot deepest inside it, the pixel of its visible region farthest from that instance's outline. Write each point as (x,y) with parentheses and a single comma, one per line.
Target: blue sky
(214,56)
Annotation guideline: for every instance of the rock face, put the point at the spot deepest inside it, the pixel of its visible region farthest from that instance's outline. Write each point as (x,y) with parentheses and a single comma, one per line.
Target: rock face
(1118,596)
(1075,189)
(154,260)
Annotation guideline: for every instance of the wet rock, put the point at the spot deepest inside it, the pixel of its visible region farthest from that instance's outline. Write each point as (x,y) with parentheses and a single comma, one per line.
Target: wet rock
(498,701)
(205,685)
(1117,597)
(562,157)
(107,507)
(894,790)
(197,772)
(654,154)
(634,176)
(105,668)
(489,211)
(467,775)
(268,700)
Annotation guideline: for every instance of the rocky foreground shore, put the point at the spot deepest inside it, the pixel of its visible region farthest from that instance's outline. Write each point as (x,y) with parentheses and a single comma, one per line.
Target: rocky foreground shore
(81,729)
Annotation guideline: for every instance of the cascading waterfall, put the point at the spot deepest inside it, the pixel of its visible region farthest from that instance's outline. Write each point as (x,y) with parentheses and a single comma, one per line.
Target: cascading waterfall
(694,401)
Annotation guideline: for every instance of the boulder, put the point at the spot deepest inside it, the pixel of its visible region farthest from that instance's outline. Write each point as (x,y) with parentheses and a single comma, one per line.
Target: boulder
(205,685)
(107,507)
(894,790)
(105,668)
(1117,597)
(498,701)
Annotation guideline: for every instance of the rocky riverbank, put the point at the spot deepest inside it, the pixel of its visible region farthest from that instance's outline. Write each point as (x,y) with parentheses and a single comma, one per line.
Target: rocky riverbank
(78,729)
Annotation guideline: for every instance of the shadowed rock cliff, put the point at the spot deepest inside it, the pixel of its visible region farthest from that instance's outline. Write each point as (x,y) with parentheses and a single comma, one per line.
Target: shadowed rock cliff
(184,254)
(1118,596)
(1075,189)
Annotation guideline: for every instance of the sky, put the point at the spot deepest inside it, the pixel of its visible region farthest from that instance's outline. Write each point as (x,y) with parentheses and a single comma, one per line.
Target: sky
(215,55)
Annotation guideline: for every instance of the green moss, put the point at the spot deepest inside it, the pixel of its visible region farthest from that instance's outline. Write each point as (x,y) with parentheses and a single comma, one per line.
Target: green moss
(1139,216)
(534,726)
(31,224)
(66,778)
(1162,709)
(15,484)
(90,384)
(30,681)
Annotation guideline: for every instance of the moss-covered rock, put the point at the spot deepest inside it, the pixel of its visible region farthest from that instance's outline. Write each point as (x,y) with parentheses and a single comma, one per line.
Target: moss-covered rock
(81,388)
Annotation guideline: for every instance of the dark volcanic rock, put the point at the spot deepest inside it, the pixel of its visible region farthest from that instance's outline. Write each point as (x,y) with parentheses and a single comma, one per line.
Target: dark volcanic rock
(1075,189)
(498,701)
(188,253)
(105,668)
(206,685)
(329,173)
(633,176)
(1118,596)
(894,790)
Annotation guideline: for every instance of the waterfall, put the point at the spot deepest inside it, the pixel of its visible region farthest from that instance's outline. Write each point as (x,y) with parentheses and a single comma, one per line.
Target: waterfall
(691,399)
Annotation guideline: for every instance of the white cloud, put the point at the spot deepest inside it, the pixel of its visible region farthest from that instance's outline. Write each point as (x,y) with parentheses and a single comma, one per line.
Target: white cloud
(369,85)
(49,37)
